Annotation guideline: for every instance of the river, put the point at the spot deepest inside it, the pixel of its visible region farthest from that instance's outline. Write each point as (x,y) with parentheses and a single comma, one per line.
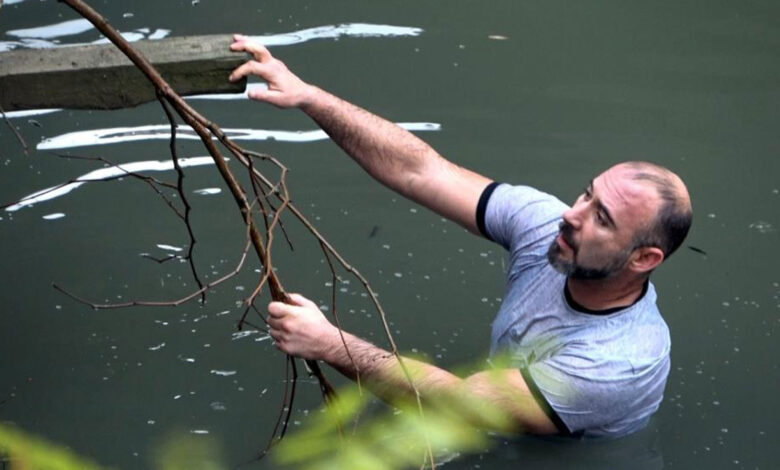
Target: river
(541,93)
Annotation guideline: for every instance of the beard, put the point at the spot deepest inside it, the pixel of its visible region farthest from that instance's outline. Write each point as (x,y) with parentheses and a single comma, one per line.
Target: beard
(576,270)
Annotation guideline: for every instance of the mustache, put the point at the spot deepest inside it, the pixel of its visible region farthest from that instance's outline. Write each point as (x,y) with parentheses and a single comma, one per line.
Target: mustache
(567,231)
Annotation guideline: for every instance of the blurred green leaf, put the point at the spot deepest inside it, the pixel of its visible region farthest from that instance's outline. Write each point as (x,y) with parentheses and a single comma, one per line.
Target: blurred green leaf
(31,453)
(184,452)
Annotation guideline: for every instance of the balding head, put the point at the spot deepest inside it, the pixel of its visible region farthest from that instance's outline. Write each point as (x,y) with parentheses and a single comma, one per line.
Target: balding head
(674,214)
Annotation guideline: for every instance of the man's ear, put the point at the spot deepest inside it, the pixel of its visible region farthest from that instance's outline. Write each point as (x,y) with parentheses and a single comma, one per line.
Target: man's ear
(646,259)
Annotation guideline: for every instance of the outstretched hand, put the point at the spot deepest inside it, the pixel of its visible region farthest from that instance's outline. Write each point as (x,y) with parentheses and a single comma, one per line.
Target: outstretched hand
(300,329)
(285,89)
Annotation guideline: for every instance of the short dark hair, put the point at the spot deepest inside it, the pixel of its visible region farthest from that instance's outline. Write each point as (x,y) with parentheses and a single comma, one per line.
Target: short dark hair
(674,217)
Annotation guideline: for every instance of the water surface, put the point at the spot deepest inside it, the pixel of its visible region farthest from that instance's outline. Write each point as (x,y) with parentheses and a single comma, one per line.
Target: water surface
(542,93)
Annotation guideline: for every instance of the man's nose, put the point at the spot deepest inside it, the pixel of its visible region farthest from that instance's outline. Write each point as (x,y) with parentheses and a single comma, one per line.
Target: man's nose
(573,217)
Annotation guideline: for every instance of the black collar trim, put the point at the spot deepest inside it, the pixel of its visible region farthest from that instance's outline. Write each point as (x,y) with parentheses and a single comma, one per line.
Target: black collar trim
(576,306)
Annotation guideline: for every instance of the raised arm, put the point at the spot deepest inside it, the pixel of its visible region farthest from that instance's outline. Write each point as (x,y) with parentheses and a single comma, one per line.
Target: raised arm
(390,154)
(302,330)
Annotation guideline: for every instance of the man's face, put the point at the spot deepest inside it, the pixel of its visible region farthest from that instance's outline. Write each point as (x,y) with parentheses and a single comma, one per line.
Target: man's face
(596,239)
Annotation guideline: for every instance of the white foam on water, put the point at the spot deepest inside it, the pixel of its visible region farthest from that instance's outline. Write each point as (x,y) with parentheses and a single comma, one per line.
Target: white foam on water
(159,34)
(54,216)
(65,28)
(156,348)
(45,36)
(137,35)
(162,132)
(363,30)
(223,373)
(105,173)
(30,112)
(48,42)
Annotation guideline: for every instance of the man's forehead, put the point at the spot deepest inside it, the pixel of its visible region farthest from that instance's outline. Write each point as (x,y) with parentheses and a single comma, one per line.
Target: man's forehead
(624,195)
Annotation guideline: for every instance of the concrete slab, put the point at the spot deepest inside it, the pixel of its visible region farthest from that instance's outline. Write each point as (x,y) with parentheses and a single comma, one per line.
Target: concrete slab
(101,77)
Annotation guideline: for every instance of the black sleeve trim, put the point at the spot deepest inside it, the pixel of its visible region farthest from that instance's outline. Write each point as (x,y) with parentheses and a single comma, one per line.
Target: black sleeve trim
(482,208)
(542,401)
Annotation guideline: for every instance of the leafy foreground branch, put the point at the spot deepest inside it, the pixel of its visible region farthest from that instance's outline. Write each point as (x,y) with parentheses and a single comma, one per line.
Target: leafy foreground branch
(393,440)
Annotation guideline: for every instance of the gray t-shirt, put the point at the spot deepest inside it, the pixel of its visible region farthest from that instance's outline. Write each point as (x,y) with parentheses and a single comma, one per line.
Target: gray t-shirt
(599,373)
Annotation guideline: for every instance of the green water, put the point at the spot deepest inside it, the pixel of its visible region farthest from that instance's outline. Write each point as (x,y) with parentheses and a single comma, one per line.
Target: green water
(542,93)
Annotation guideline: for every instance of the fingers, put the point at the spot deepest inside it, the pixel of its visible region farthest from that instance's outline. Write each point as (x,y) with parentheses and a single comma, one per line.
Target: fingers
(251,67)
(258,51)
(297,305)
(278,310)
(298,299)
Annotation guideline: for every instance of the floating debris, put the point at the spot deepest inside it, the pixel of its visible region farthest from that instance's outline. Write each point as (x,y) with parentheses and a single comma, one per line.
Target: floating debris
(168,247)
(697,250)
(243,334)
(762,227)
(223,373)
(207,191)
(218,406)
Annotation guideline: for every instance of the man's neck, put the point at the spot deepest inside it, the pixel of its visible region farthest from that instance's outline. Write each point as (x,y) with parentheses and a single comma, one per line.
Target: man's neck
(604,294)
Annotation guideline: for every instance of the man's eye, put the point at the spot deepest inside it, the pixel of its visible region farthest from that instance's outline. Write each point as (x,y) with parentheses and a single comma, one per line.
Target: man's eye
(586,194)
(602,220)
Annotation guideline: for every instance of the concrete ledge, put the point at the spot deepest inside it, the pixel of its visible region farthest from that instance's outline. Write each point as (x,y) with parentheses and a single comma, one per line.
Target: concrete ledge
(101,77)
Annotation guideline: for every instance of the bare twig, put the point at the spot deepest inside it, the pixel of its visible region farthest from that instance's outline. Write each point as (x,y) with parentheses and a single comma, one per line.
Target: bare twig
(182,195)
(16,133)
(334,280)
(150,180)
(285,410)
(173,303)
(159,260)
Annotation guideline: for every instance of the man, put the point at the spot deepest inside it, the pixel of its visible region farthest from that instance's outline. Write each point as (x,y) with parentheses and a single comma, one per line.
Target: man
(589,349)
